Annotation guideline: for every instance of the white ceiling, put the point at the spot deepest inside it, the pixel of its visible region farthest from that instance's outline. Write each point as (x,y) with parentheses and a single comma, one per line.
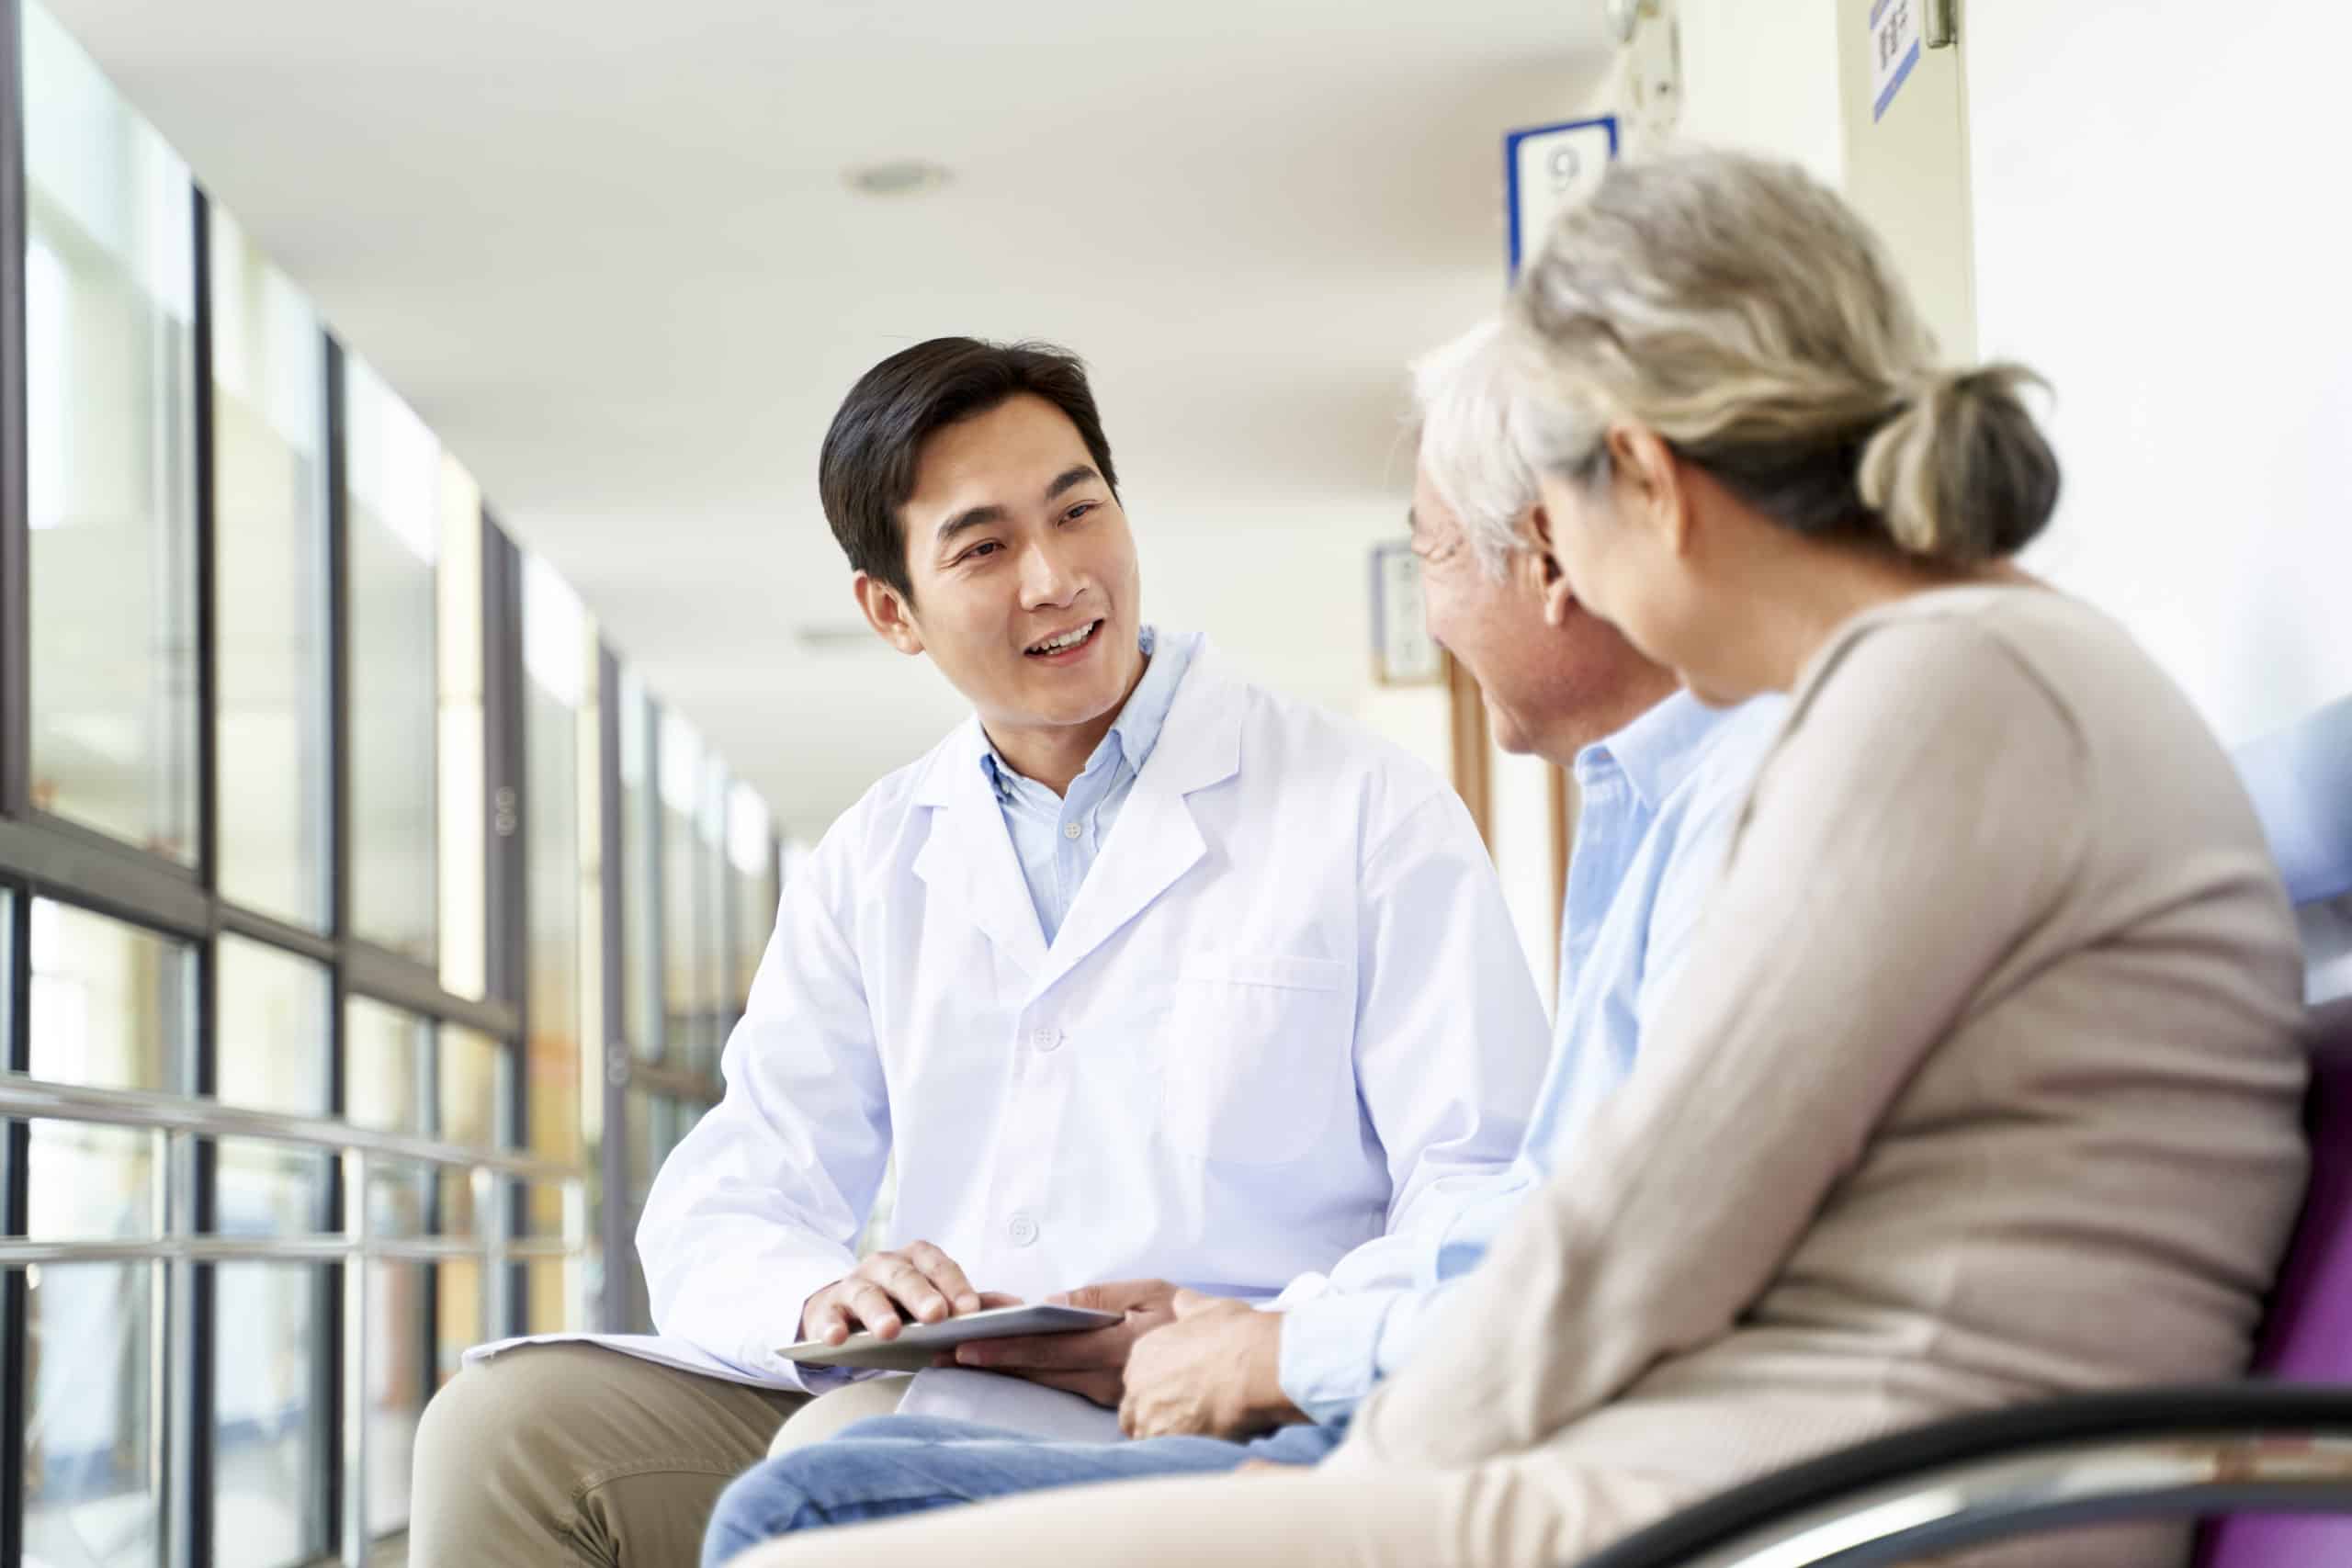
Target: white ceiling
(606,251)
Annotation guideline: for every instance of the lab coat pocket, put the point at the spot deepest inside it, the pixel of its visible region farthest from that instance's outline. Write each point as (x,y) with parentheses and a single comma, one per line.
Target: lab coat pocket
(1259,1055)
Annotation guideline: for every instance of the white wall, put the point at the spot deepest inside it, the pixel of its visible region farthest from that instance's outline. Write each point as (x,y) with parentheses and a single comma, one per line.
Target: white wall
(1762,76)
(2161,230)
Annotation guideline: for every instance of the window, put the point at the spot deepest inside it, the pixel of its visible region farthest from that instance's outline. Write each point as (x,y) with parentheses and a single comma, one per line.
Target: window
(752,862)
(93,1478)
(688,942)
(276,1028)
(271,1446)
(270,577)
(387,1066)
(639,873)
(112,1005)
(465,864)
(393,486)
(237,999)
(564,1103)
(110,374)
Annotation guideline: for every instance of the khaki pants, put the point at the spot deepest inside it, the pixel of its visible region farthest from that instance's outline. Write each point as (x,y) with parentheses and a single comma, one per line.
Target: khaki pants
(573,1455)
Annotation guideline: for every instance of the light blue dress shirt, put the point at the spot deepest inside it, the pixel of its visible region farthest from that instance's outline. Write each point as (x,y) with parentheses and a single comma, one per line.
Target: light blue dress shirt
(1057,837)
(1658,802)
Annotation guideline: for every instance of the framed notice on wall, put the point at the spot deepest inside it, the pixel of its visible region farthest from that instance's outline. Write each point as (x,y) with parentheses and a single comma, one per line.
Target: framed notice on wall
(1403,653)
(1546,168)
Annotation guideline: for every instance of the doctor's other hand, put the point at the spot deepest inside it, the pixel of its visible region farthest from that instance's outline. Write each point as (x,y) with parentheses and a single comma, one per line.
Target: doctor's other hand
(1214,1372)
(1091,1364)
(915,1284)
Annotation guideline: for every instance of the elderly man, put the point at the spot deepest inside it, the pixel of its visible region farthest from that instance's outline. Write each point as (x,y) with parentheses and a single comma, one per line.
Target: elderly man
(1661,780)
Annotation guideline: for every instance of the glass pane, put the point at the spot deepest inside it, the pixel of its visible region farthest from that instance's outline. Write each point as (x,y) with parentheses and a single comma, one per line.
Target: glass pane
(394,497)
(556,652)
(714,962)
(464,784)
(275,1009)
(750,856)
(397,1379)
(459,1324)
(92,1487)
(398,1192)
(386,1058)
(640,876)
(270,1441)
(684,942)
(657,1124)
(110,440)
(265,1189)
(270,577)
(92,1183)
(557,1299)
(457,1216)
(112,1004)
(474,1092)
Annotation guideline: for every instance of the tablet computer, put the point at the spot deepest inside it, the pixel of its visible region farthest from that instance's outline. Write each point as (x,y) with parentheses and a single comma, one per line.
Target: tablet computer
(918,1342)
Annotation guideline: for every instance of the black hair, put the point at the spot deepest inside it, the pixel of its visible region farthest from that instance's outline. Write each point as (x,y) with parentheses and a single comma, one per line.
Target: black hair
(866,468)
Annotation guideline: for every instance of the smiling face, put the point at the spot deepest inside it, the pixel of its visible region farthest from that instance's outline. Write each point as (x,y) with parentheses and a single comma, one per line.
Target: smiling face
(1025,588)
(1655,548)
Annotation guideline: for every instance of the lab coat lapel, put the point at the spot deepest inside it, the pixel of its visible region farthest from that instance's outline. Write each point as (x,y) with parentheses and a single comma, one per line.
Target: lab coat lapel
(968,861)
(1155,840)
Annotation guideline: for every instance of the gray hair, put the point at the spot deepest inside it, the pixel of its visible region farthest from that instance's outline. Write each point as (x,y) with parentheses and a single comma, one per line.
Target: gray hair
(1462,398)
(1743,312)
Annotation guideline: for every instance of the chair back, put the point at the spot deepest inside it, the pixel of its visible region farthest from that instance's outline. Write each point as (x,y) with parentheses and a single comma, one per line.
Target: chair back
(2300,780)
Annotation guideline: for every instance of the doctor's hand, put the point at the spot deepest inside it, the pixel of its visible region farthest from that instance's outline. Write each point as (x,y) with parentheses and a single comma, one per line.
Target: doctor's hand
(917,1283)
(1091,1364)
(1214,1372)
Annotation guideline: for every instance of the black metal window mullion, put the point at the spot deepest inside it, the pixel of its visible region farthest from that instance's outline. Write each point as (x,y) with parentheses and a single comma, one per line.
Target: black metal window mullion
(326,1370)
(195,1381)
(612,1056)
(16,1157)
(505,715)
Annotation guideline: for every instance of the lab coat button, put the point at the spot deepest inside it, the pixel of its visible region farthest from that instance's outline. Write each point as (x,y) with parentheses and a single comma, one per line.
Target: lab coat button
(1046,1039)
(1023,1230)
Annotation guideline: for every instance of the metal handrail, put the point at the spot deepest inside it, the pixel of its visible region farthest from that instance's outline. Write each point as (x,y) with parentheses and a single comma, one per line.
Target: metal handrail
(1982,1501)
(2123,1456)
(15,1252)
(39,1097)
(178,1124)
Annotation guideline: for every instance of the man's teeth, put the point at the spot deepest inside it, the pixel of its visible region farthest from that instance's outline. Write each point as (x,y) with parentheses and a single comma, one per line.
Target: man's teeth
(1070,639)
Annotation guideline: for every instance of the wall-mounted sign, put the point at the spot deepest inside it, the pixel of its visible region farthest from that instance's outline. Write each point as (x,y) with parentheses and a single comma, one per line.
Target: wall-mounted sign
(1545,169)
(1403,653)
(1895,40)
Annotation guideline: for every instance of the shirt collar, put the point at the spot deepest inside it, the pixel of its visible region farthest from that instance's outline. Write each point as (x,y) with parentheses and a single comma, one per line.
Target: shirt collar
(1657,751)
(1134,732)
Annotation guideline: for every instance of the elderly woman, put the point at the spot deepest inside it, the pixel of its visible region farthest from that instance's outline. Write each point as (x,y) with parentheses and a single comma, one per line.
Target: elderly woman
(1982,1082)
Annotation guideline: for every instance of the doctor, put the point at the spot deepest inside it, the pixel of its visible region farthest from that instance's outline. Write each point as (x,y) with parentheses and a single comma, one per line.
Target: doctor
(1146,976)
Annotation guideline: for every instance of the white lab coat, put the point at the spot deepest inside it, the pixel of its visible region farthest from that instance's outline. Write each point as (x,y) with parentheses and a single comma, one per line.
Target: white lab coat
(1285,1007)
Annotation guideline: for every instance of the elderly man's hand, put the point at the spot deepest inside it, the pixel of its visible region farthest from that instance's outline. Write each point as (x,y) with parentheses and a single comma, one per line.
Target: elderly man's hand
(1214,1372)
(1091,1364)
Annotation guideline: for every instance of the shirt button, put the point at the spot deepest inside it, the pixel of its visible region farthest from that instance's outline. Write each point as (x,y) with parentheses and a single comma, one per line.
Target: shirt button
(1022,1229)
(1046,1039)
(1070,831)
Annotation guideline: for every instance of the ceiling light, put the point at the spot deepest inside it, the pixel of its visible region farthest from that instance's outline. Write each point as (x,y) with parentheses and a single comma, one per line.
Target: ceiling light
(903,177)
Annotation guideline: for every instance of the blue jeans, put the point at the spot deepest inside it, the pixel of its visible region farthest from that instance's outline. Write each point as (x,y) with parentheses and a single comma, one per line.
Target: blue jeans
(905,1465)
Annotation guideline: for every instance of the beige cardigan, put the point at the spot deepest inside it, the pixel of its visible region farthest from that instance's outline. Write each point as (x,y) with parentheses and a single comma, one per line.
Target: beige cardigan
(1982,1086)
